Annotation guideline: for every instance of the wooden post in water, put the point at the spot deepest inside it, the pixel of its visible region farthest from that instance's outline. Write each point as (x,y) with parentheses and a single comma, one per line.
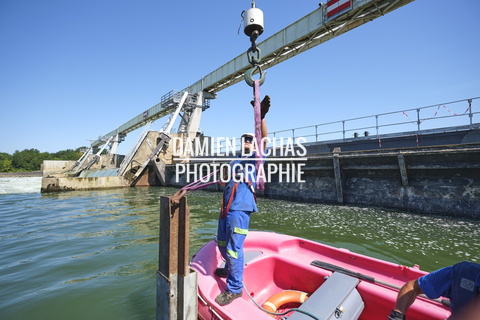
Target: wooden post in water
(176,282)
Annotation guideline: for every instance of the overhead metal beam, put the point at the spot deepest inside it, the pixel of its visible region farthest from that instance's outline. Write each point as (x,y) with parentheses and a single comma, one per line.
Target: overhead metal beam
(304,34)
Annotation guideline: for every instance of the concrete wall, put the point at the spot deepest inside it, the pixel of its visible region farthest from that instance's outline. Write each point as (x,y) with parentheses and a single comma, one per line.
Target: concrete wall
(434,180)
(74,183)
(50,167)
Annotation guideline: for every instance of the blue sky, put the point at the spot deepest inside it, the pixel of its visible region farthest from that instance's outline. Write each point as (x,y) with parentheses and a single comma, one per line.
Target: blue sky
(71,71)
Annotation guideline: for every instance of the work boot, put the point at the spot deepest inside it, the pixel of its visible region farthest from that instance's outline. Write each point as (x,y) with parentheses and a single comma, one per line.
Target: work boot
(221,272)
(227,297)
(395,315)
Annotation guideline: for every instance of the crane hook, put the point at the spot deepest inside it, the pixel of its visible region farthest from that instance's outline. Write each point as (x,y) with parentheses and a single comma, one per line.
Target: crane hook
(248,75)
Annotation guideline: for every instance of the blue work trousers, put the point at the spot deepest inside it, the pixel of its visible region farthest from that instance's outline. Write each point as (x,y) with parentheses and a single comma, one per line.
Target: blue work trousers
(231,234)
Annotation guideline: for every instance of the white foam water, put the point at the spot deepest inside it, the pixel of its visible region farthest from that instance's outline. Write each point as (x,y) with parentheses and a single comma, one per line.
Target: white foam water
(13,185)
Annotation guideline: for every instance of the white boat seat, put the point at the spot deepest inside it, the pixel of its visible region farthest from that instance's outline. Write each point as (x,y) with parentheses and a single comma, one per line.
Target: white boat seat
(337,298)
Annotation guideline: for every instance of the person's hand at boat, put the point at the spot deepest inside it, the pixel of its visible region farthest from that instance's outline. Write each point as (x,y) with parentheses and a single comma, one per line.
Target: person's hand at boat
(406,296)
(460,283)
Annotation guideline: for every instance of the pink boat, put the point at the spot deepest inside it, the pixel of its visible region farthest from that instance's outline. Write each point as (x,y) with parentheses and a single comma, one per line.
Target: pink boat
(308,280)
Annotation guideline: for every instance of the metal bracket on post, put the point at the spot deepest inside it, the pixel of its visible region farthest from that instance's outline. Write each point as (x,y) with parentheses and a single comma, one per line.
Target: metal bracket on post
(176,282)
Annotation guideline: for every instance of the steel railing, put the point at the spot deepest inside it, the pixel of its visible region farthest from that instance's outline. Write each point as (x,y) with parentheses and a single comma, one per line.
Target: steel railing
(432,118)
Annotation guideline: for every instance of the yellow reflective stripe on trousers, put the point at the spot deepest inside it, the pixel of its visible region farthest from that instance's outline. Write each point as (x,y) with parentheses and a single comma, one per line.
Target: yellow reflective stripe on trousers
(240,231)
(232,254)
(222,243)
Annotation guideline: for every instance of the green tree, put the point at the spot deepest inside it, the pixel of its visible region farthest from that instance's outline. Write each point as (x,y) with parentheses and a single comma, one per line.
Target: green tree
(32,159)
(68,154)
(27,160)
(6,162)
(5,156)
(6,165)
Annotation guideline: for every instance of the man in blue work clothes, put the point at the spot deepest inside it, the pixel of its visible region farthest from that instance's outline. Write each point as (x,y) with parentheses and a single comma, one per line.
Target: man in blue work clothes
(460,283)
(237,204)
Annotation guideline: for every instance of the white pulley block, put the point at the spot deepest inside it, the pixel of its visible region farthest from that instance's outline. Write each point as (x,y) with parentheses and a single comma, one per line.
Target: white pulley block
(253,20)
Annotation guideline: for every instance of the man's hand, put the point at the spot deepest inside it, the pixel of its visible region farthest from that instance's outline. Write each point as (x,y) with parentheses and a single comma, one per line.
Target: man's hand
(264,106)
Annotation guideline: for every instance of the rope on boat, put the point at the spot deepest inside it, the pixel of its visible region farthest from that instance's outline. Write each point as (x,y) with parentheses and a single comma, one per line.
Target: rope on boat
(280,313)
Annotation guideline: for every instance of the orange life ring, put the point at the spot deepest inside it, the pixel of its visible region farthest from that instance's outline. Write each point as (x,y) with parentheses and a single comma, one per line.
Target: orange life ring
(279,299)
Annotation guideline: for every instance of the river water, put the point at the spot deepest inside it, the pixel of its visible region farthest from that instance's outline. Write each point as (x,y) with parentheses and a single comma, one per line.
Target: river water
(93,254)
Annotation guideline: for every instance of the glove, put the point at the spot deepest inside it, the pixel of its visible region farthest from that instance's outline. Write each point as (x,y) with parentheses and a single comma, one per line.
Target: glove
(264,106)
(395,315)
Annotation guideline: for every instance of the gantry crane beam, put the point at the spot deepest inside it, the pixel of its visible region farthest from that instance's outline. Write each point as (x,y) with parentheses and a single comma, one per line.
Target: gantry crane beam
(304,34)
